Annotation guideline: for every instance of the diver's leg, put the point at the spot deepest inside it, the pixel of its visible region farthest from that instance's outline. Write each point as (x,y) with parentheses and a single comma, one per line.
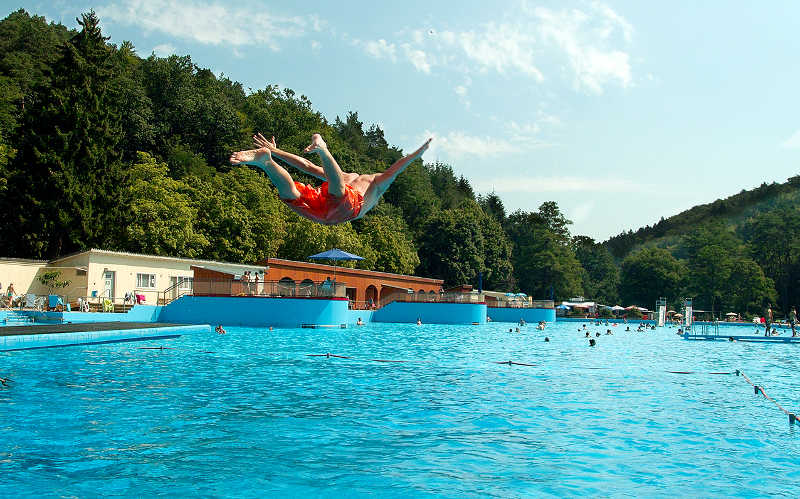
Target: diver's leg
(279,176)
(332,170)
(382,181)
(294,160)
(388,176)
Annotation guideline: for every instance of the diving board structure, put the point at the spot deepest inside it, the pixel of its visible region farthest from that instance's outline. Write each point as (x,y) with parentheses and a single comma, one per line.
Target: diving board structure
(754,339)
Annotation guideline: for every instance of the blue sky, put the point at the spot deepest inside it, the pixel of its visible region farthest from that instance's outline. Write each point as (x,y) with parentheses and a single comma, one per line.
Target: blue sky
(622,112)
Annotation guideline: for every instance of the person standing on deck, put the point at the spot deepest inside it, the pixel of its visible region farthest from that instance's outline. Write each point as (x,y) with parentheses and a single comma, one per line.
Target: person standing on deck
(793,320)
(767,319)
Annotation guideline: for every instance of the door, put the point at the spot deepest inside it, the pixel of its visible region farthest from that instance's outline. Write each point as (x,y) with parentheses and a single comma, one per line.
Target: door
(173,284)
(108,283)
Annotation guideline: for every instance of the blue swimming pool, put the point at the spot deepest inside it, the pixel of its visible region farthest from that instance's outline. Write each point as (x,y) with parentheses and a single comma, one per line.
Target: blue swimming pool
(249,414)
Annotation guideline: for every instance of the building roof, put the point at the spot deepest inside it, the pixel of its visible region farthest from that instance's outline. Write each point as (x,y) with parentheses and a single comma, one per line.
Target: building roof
(157,257)
(348,270)
(21,260)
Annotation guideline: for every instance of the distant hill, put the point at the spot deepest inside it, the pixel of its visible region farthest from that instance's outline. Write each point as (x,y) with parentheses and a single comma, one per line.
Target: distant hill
(732,211)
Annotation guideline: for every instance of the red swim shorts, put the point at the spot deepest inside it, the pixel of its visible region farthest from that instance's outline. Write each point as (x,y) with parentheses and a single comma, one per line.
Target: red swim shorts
(317,204)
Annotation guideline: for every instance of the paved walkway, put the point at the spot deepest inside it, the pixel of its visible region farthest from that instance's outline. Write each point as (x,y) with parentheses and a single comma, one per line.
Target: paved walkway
(82,327)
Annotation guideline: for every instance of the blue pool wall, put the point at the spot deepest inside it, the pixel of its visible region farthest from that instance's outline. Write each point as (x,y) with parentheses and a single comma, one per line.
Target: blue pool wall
(353,315)
(46,340)
(432,313)
(530,315)
(256,311)
(139,313)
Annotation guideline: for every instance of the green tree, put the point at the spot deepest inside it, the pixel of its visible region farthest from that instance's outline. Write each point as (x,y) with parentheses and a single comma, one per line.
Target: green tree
(240,215)
(748,288)
(52,281)
(161,218)
(544,264)
(67,172)
(135,108)
(709,273)
(28,49)
(601,279)
(649,274)
(305,238)
(451,242)
(492,205)
(192,106)
(774,241)
(391,239)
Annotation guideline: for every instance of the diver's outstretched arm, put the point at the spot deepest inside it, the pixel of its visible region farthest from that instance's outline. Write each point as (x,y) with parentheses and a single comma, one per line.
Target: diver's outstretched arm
(294,160)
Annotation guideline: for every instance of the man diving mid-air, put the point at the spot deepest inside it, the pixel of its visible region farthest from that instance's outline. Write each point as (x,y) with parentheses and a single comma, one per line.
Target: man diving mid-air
(342,197)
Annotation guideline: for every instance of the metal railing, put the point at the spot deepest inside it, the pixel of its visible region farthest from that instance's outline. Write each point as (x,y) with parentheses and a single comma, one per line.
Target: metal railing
(236,287)
(79,303)
(520,304)
(431,298)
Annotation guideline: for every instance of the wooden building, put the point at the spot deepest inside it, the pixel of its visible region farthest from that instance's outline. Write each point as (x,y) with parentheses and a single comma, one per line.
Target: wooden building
(363,287)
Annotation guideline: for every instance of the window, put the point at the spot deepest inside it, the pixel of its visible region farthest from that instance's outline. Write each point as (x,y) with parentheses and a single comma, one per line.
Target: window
(80,272)
(145,280)
(185,282)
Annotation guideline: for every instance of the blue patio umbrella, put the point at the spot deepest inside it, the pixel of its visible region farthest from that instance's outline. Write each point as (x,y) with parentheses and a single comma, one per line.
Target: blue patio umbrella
(336,255)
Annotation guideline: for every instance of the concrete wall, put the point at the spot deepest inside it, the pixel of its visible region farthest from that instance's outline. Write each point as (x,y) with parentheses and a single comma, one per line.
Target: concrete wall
(531,315)
(139,313)
(256,311)
(353,315)
(22,274)
(432,313)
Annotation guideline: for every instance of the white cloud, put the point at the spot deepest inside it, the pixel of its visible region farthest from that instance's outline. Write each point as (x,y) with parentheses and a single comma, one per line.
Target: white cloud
(461,90)
(584,40)
(380,49)
(455,145)
(164,50)
(417,58)
(589,41)
(458,144)
(315,45)
(498,47)
(558,184)
(792,142)
(209,23)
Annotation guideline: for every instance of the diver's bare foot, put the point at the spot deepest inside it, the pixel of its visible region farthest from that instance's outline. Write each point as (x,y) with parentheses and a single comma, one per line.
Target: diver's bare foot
(255,157)
(317,144)
(419,152)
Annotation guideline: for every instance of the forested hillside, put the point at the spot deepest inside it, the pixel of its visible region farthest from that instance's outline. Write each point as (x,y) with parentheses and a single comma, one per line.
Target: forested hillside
(733,253)
(100,147)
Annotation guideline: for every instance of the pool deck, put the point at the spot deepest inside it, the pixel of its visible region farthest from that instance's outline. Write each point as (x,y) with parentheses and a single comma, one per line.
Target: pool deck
(80,327)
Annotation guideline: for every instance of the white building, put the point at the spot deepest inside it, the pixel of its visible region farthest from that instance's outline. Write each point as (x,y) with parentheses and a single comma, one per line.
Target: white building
(112,274)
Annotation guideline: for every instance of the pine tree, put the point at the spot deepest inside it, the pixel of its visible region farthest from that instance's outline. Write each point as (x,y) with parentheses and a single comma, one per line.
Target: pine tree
(67,173)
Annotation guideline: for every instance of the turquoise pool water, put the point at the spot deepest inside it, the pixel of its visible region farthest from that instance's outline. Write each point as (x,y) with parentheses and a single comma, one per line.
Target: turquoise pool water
(249,414)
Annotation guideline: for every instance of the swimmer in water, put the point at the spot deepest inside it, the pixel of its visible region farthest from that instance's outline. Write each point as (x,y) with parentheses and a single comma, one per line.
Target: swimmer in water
(342,197)
(219,329)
